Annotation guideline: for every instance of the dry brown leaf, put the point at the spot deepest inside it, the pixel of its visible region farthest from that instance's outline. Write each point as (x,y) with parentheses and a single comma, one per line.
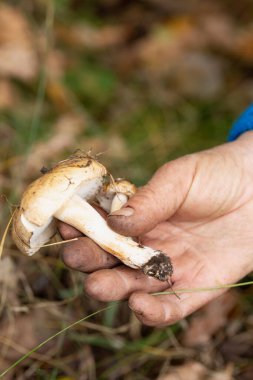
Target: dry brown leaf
(17,48)
(189,371)
(219,30)
(226,374)
(8,273)
(197,74)
(87,36)
(22,332)
(60,96)
(8,94)
(209,320)
(196,371)
(57,63)
(66,131)
(9,277)
(167,43)
(243,45)
(116,147)
(239,345)
(4,364)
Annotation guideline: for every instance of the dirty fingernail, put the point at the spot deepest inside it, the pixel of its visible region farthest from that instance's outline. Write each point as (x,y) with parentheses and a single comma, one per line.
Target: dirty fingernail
(125,211)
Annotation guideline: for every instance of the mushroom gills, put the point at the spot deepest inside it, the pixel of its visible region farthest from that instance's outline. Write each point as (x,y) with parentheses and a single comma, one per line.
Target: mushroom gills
(39,235)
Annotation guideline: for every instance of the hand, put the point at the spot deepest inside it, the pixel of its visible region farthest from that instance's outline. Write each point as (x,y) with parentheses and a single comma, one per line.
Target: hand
(199,210)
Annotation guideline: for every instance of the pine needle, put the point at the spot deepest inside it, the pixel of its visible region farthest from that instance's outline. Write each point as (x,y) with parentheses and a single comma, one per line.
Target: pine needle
(213,288)
(20,360)
(58,242)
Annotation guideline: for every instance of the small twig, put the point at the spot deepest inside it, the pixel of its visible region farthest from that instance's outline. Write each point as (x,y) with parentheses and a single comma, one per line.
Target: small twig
(11,205)
(5,235)
(57,243)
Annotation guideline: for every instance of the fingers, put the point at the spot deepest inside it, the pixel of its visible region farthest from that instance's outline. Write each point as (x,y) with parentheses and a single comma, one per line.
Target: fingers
(151,311)
(163,310)
(157,201)
(119,283)
(86,256)
(68,232)
(160,310)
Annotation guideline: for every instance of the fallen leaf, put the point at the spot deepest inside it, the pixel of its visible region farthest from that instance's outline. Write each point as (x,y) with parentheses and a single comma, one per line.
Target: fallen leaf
(8,94)
(243,45)
(189,371)
(64,137)
(87,36)
(38,325)
(18,57)
(209,320)
(239,346)
(197,371)
(198,75)
(167,43)
(9,277)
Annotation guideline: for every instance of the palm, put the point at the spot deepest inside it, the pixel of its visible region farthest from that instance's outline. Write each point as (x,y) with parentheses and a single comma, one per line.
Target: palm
(204,254)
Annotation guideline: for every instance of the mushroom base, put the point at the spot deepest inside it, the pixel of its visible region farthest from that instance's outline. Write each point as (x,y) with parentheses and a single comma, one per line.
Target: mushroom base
(159,267)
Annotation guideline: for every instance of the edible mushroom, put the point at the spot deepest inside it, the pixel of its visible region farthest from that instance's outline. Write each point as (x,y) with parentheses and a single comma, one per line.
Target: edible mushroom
(64,193)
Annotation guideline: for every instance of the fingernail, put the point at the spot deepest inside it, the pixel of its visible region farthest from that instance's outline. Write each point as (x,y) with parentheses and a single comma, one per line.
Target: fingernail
(125,211)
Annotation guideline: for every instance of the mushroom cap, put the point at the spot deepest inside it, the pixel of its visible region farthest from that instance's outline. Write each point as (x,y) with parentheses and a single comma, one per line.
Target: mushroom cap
(109,190)
(120,185)
(29,240)
(33,223)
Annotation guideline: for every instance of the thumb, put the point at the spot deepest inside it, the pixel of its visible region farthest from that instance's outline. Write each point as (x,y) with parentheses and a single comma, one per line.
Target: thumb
(158,200)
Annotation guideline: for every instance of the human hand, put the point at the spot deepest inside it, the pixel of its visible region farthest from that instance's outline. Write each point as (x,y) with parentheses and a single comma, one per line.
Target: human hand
(199,210)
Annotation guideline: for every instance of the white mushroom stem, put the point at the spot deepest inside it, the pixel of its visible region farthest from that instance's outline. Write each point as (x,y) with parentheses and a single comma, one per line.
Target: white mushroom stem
(118,201)
(81,215)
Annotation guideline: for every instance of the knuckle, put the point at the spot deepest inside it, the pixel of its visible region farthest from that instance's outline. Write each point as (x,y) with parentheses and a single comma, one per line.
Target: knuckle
(143,196)
(90,286)
(67,257)
(96,286)
(74,254)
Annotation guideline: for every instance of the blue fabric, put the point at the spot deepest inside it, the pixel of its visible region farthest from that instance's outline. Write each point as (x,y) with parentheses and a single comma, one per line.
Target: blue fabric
(243,124)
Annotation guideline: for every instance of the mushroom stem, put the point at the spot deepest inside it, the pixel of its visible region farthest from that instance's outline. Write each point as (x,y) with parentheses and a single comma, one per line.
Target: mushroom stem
(81,215)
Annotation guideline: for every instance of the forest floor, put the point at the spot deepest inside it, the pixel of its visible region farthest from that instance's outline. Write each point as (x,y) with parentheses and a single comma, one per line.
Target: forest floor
(144,83)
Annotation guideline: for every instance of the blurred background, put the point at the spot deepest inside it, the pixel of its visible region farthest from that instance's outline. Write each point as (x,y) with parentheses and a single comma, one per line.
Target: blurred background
(143,82)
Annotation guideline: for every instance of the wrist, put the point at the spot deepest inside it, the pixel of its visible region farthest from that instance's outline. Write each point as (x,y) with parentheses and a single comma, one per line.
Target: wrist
(248,136)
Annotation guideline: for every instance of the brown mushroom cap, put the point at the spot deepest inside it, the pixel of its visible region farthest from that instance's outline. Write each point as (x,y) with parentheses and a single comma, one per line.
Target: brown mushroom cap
(33,222)
(120,185)
(109,190)
(22,236)
(46,195)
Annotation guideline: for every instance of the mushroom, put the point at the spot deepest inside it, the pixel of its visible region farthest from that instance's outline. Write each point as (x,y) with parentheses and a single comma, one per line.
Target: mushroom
(64,193)
(112,196)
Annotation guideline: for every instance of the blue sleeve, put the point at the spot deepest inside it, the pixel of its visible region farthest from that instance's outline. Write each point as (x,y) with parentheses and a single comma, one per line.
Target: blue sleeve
(243,124)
